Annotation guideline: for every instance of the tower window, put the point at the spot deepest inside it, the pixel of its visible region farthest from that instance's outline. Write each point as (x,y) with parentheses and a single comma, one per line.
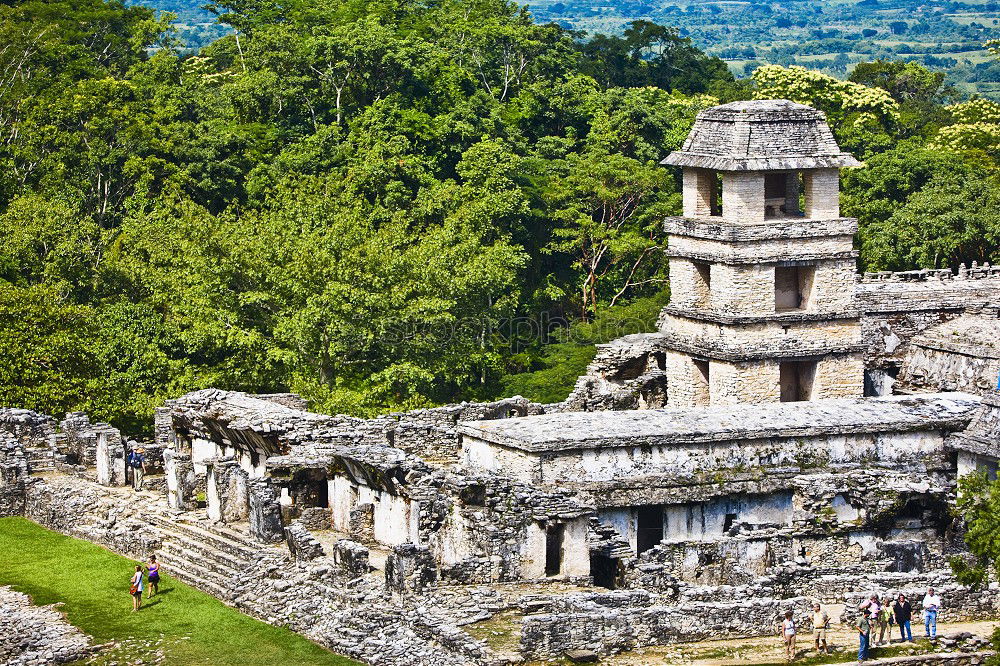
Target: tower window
(793,287)
(796,379)
(702,381)
(703,283)
(775,192)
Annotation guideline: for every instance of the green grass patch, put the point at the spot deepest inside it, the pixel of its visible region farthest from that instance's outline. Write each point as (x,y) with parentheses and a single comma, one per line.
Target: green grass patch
(187,626)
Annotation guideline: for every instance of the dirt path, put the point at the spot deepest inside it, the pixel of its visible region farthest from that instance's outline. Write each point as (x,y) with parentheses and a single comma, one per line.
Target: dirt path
(769,650)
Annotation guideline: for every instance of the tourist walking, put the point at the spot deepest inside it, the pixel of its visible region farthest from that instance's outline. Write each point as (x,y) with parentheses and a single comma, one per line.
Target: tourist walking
(136,588)
(931,604)
(903,612)
(882,621)
(137,463)
(153,576)
(821,625)
(788,634)
(864,628)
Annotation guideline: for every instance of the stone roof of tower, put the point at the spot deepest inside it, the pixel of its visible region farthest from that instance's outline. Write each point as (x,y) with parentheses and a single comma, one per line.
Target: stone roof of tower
(761,135)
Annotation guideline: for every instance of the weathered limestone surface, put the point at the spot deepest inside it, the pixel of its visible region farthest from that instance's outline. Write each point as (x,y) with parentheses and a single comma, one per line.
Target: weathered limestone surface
(612,622)
(575,430)
(37,635)
(712,474)
(898,306)
(958,355)
(625,374)
(13,474)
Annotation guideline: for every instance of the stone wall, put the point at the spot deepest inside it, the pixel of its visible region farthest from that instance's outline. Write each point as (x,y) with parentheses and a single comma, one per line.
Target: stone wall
(312,598)
(35,635)
(615,622)
(962,354)
(822,193)
(897,306)
(627,373)
(958,603)
(13,474)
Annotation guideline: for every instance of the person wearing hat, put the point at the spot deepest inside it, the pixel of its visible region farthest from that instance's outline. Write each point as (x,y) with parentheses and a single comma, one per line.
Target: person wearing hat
(137,462)
(864,628)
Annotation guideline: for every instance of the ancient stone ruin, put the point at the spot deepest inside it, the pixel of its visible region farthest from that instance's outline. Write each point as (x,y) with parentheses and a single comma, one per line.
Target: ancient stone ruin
(792,432)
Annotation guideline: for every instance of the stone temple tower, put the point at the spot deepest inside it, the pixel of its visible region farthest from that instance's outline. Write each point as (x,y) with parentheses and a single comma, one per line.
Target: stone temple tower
(762,266)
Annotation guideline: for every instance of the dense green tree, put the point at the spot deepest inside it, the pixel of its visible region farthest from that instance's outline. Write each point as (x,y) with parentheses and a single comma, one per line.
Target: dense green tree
(651,55)
(360,201)
(863,118)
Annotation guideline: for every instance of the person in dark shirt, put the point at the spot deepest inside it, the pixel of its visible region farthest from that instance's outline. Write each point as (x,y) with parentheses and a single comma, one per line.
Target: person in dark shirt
(864,628)
(137,463)
(904,613)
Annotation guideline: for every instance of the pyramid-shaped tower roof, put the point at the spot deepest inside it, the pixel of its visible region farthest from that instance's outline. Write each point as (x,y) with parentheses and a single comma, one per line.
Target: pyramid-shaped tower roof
(761,135)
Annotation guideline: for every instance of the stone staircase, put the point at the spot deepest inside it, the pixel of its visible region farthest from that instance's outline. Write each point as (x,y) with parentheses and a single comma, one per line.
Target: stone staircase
(213,557)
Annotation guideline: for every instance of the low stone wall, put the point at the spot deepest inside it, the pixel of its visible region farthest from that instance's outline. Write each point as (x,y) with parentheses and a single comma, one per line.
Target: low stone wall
(958,603)
(937,659)
(13,471)
(35,635)
(609,627)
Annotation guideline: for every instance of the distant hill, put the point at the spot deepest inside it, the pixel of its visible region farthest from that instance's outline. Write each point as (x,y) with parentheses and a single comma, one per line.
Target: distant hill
(829,36)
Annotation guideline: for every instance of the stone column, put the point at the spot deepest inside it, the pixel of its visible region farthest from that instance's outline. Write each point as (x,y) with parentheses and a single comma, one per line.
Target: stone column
(792,194)
(698,192)
(822,190)
(743,197)
(182,483)
(110,459)
(265,511)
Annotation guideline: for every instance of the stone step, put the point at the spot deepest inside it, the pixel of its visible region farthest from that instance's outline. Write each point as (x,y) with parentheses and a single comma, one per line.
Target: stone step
(188,573)
(203,550)
(220,569)
(229,543)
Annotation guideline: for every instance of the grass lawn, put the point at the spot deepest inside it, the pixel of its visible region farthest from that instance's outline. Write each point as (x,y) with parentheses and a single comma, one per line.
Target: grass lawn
(186,626)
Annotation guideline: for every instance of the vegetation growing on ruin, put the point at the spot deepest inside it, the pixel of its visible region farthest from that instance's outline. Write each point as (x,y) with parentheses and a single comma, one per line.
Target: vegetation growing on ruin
(185,625)
(390,205)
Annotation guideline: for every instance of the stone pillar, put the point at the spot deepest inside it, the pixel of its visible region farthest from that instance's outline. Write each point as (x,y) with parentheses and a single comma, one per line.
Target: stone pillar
(163,428)
(212,495)
(265,511)
(743,197)
(698,192)
(792,194)
(363,523)
(690,283)
(822,193)
(182,483)
(110,459)
(226,490)
(410,568)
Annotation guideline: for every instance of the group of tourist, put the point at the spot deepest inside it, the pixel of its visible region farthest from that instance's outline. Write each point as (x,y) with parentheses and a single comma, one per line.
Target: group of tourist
(138,582)
(874,625)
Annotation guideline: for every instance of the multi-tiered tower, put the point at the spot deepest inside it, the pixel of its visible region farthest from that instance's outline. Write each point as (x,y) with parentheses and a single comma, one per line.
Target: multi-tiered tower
(762,266)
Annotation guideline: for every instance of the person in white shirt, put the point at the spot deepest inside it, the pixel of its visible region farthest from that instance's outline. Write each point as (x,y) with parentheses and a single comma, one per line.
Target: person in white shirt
(931,604)
(788,634)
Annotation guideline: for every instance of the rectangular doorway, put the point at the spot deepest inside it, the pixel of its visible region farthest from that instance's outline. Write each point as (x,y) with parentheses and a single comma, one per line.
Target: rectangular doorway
(553,548)
(649,527)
